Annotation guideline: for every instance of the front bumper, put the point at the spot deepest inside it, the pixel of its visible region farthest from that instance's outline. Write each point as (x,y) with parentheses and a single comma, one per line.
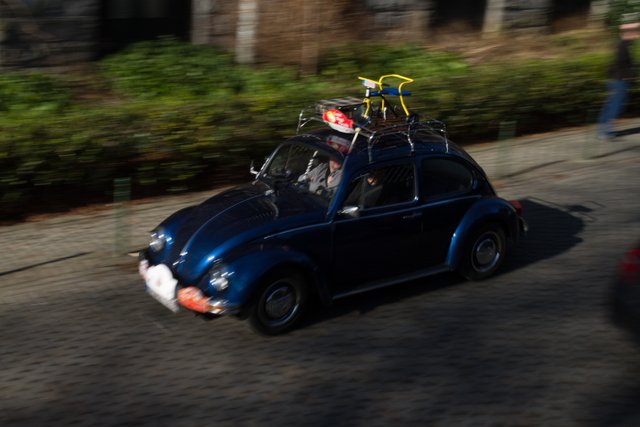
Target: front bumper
(193,299)
(166,289)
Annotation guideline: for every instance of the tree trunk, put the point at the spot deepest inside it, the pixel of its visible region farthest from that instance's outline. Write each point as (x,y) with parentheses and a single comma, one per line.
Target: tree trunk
(246,31)
(494,16)
(309,38)
(598,12)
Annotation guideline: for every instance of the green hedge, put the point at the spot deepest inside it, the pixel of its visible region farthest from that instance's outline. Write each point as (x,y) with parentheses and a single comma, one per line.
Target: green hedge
(177,117)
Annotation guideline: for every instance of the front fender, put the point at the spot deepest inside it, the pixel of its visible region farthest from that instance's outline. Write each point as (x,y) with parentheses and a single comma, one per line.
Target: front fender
(171,226)
(257,261)
(485,211)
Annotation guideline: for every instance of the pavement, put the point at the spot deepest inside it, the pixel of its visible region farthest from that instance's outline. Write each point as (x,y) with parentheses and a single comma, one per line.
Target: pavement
(81,344)
(515,156)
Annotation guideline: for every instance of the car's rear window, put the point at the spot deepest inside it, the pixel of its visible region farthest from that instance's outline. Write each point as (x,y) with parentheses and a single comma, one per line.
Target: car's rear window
(442,177)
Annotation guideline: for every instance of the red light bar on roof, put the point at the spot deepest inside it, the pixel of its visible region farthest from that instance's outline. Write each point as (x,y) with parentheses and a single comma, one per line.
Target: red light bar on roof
(337,120)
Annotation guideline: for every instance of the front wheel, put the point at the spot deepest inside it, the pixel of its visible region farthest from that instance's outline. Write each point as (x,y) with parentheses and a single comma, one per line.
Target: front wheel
(484,253)
(279,304)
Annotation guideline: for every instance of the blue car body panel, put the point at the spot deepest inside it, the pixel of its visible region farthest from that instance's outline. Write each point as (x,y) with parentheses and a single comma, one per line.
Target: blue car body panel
(269,224)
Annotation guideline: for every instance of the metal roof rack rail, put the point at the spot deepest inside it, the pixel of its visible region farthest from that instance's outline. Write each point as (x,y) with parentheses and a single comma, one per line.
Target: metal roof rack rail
(373,130)
(351,115)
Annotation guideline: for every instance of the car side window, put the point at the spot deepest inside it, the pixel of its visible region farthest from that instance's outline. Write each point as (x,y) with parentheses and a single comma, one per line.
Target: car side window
(382,186)
(444,177)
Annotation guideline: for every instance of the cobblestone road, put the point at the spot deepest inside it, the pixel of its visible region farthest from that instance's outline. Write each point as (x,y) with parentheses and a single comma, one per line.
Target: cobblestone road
(82,344)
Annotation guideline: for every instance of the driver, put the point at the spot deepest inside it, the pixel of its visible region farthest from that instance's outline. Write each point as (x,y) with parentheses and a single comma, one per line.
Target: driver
(325,176)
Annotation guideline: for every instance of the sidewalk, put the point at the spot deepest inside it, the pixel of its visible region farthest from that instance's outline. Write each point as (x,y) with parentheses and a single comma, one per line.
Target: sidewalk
(510,157)
(106,233)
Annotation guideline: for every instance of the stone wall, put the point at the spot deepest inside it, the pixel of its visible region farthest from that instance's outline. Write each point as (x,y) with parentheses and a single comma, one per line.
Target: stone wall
(38,33)
(214,22)
(46,33)
(296,31)
(399,20)
(526,14)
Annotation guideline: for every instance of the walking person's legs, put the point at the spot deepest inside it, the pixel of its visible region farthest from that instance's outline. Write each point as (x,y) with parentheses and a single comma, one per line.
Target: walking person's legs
(612,108)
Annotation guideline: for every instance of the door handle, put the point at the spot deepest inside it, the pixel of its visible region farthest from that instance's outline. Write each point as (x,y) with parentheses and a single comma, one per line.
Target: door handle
(413,215)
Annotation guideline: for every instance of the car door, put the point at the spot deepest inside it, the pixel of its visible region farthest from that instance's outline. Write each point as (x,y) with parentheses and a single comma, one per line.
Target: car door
(382,241)
(446,194)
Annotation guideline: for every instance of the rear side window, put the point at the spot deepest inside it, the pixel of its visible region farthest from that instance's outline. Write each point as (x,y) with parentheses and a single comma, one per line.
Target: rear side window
(444,177)
(382,186)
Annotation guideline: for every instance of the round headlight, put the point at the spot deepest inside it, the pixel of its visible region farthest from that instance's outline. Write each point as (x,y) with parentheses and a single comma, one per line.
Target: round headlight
(157,240)
(219,277)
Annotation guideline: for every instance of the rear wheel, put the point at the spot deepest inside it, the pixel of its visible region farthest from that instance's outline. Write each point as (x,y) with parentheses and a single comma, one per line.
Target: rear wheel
(279,304)
(484,253)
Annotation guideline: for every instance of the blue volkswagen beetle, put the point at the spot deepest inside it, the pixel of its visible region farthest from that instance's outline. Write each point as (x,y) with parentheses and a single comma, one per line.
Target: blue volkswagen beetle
(365,202)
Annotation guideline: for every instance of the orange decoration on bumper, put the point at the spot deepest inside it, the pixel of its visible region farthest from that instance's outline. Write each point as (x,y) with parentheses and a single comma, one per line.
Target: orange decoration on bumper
(193,299)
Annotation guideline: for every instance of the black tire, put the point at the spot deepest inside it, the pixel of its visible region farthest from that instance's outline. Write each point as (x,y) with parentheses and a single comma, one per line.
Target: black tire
(279,304)
(484,253)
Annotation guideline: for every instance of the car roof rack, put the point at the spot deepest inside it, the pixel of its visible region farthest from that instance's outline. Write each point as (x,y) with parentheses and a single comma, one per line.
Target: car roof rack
(374,130)
(351,115)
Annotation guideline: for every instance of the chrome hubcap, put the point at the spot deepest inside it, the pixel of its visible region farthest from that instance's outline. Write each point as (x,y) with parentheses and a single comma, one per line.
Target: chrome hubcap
(280,303)
(486,253)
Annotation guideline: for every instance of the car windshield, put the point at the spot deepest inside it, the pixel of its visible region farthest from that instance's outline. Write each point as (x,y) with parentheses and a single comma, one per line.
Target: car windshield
(306,169)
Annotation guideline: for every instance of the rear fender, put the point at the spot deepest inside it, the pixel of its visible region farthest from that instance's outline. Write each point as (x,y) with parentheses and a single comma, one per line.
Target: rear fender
(485,211)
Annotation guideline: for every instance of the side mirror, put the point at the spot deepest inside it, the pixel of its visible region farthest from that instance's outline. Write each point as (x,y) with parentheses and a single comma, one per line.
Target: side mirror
(252,169)
(350,211)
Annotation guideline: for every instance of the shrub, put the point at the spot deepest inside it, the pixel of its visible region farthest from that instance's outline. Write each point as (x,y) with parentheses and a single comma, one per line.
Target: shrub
(32,94)
(180,117)
(168,68)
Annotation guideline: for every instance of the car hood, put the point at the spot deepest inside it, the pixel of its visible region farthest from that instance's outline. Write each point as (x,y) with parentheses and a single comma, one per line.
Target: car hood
(234,217)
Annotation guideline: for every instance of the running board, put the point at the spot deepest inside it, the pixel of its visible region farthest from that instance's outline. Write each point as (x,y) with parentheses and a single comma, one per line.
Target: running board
(400,279)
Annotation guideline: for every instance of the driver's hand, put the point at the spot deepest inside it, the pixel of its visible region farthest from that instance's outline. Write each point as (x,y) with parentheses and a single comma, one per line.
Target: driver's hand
(322,191)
